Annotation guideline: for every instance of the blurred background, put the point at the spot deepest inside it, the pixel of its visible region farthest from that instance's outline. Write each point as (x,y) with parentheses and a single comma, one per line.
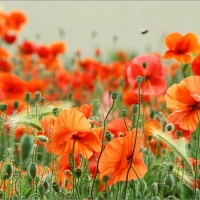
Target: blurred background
(76,22)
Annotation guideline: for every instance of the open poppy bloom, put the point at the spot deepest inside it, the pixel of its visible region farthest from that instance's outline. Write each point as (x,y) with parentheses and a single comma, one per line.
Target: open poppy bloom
(181,46)
(116,157)
(184,100)
(73,131)
(150,68)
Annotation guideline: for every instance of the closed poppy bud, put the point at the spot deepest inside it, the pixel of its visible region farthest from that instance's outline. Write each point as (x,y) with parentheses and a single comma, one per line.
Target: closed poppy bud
(143,185)
(41,190)
(134,108)
(27,96)
(78,172)
(108,136)
(16,104)
(154,188)
(45,184)
(169,127)
(171,167)
(9,170)
(3,107)
(42,100)
(26,145)
(114,95)
(32,170)
(56,187)
(37,95)
(55,112)
(42,138)
(144,65)
(169,181)
(139,79)
(123,113)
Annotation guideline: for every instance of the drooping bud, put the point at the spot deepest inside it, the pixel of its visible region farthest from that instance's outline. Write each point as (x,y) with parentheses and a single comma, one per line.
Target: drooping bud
(56,187)
(42,138)
(169,181)
(9,170)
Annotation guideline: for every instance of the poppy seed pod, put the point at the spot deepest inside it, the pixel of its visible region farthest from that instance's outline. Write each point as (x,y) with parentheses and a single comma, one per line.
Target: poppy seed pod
(144,65)
(78,172)
(108,136)
(169,127)
(27,96)
(139,79)
(26,145)
(32,170)
(37,95)
(169,181)
(56,187)
(123,112)
(3,107)
(114,95)
(134,108)
(16,104)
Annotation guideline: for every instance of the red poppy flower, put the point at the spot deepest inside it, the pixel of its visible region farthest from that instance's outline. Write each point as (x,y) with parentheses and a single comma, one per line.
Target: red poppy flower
(184,100)
(195,66)
(42,51)
(9,37)
(181,46)
(116,156)
(72,129)
(150,68)
(27,47)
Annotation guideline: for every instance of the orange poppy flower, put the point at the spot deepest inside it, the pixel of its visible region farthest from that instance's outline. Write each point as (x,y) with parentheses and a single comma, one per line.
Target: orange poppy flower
(115,157)
(195,65)
(181,46)
(73,129)
(151,69)
(184,100)
(58,47)
(85,109)
(117,126)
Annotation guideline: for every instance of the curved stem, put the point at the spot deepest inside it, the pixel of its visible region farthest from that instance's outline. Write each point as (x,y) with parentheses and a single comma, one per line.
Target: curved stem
(165,166)
(125,123)
(102,144)
(134,146)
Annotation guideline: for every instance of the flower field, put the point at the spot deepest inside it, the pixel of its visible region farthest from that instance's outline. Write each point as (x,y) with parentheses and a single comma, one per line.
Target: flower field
(82,128)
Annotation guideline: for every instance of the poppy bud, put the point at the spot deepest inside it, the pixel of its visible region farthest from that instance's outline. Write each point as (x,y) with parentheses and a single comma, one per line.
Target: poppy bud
(41,190)
(139,79)
(171,167)
(142,185)
(56,187)
(179,133)
(108,136)
(32,170)
(42,138)
(37,95)
(42,100)
(105,179)
(26,145)
(78,172)
(154,188)
(134,108)
(8,170)
(169,127)
(45,184)
(55,112)
(114,95)
(171,198)
(123,112)
(144,65)
(3,107)
(149,137)
(169,181)
(27,96)
(16,104)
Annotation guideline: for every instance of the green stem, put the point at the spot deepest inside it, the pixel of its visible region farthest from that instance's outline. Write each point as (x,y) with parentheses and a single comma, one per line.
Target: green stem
(102,144)
(125,123)
(196,157)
